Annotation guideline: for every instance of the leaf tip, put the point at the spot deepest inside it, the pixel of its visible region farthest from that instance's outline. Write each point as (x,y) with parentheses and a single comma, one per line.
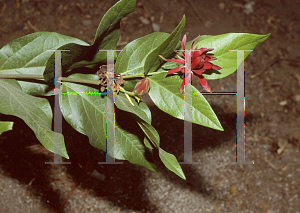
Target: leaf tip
(221,128)
(66,156)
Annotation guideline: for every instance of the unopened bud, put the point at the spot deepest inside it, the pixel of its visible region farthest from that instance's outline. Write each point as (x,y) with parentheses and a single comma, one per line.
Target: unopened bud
(142,87)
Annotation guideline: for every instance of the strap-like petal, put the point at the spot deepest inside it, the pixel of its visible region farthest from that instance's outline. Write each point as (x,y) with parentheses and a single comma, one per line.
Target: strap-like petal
(199,72)
(209,58)
(188,78)
(215,67)
(182,55)
(182,87)
(183,42)
(194,41)
(176,69)
(181,61)
(204,83)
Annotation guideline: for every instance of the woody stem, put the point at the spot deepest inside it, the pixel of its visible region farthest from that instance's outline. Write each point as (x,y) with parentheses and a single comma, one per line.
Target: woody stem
(65,79)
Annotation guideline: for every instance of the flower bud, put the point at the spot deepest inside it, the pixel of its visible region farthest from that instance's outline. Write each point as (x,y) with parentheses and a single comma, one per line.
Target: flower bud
(142,87)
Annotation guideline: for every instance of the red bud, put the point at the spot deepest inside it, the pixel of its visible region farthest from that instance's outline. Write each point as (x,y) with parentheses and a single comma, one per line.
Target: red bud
(142,87)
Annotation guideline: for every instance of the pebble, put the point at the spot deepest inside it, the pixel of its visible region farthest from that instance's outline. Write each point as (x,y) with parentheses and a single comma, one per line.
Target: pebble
(97,175)
(155,27)
(297,98)
(221,6)
(86,22)
(208,24)
(282,103)
(249,7)
(144,20)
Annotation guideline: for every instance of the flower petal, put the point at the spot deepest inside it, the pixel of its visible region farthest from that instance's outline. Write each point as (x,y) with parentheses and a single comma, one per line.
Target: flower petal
(195,61)
(204,83)
(179,53)
(176,69)
(205,50)
(209,58)
(183,42)
(207,65)
(199,66)
(187,78)
(182,86)
(215,67)
(196,53)
(199,72)
(194,41)
(181,61)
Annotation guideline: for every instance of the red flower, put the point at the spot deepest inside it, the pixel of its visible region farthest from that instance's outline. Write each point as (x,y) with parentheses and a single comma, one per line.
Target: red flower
(199,63)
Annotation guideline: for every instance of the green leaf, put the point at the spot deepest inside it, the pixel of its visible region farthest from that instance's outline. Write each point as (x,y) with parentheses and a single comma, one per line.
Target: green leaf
(149,131)
(107,34)
(168,159)
(141,114)
(85,110)
(228,59)
(166,49)
(106,38)
(171,163)
(139,109)
(75,53)
(132,59)
(148,144)
(129,147)
(5,126)
(165,93)
(130,84)
(35,112)
(29,55)
(108,31)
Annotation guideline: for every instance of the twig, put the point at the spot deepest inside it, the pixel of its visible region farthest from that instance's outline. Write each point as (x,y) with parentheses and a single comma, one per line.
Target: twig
(18,5)
(216,208)
(42,0)
(298,77)
(80,8)
(62,24)
(196,12)
(271,164)
(4,7)
(147,13)
(277,59)
(274,61)
(74,187)
(293,62)
(32,27)
(265,139)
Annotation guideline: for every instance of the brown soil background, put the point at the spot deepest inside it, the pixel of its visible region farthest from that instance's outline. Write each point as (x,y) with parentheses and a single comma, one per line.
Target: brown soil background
(272,119)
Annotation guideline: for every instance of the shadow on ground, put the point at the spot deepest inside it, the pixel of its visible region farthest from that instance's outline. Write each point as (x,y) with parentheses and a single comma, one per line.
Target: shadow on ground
(123,185)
